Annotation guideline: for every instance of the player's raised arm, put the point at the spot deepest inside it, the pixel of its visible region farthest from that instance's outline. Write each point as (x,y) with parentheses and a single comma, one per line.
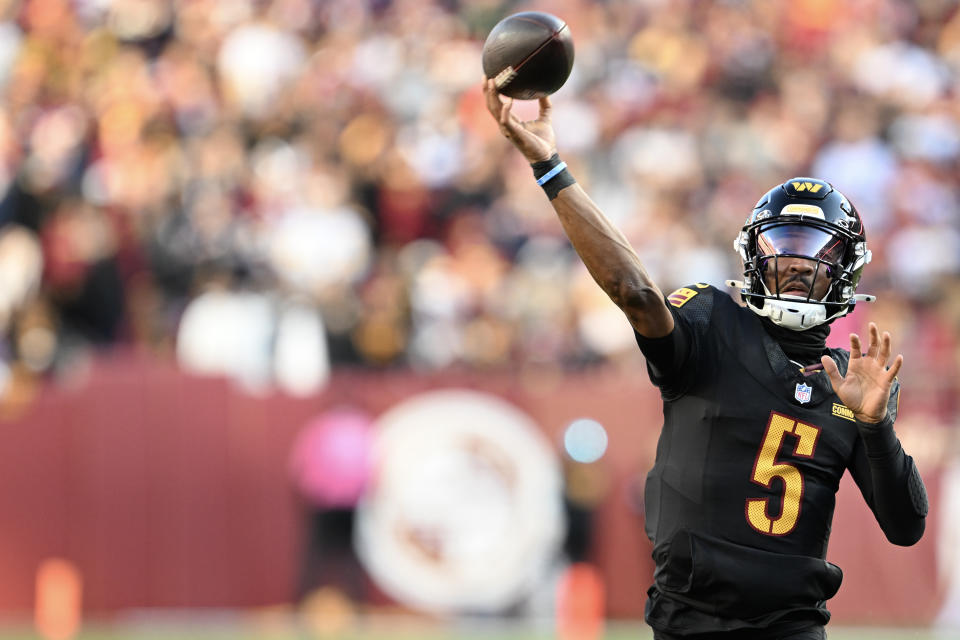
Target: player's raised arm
(602,246)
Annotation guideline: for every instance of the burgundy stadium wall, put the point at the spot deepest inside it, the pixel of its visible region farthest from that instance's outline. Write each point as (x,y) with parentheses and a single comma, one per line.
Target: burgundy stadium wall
(169,490)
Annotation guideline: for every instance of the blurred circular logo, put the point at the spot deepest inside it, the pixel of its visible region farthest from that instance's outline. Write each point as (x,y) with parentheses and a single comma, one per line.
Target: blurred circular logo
(464,513)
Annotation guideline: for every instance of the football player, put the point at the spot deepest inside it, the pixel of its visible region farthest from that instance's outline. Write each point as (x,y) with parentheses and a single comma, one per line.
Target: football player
(761,419)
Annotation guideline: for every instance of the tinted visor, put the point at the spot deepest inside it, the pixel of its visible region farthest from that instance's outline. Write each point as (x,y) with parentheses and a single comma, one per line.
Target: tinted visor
(800,240)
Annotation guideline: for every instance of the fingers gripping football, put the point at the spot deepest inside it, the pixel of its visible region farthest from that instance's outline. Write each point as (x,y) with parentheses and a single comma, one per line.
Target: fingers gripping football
(535,138)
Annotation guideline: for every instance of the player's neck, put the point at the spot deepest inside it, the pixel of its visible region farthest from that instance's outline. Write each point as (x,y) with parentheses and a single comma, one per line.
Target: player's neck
(803,347)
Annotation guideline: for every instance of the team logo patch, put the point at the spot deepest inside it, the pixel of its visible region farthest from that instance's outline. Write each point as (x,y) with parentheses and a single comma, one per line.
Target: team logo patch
(844,412)
(803,393)
(681,296)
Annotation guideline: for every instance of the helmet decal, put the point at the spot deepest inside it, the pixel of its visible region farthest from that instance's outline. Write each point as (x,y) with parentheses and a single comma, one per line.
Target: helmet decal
(803,210)
(807,187)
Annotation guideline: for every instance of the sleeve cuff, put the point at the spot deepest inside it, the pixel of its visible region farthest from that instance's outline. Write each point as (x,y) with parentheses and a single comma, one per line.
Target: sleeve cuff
(879,438)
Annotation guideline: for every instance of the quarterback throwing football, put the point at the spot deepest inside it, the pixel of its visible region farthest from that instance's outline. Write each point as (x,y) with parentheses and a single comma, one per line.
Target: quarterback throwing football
(761,419)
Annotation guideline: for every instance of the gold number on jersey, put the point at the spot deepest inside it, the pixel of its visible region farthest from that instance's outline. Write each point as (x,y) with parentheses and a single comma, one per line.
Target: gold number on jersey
(766,468)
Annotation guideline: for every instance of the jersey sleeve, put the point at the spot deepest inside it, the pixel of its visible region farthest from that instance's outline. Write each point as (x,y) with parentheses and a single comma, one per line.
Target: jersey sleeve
(671,359)
(889,479)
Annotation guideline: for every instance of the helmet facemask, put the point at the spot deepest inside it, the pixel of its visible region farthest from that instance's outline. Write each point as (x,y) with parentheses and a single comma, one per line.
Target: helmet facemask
(798,258)
(826,261)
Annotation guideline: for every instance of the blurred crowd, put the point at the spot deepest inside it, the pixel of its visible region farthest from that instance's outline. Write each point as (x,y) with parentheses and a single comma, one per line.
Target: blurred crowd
(276,188)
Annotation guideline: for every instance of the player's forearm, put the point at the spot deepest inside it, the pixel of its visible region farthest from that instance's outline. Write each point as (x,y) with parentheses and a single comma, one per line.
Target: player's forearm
(612,262)
(600,244)
(899,497)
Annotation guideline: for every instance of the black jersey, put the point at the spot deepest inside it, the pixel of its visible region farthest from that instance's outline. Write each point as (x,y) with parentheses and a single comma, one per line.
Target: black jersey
(741,497)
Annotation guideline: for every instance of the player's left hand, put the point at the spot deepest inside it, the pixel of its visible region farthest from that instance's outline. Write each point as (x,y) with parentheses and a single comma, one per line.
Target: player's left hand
(866,388)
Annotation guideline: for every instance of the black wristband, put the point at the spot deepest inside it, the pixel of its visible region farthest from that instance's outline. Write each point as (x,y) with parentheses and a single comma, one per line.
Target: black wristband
(552,175)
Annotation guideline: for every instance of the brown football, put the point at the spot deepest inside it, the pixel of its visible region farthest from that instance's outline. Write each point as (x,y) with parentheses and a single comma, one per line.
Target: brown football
(529,55)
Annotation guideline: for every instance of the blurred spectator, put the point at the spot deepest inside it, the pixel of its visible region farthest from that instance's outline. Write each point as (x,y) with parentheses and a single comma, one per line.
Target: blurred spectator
(21,265)
(257,61)
(330,465)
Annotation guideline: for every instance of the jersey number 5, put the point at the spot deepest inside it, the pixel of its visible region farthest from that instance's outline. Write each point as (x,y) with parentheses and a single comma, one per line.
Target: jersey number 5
(766,468)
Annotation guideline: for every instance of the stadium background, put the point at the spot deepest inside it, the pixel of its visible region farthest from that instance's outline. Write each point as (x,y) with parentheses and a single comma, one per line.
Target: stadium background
(223,220)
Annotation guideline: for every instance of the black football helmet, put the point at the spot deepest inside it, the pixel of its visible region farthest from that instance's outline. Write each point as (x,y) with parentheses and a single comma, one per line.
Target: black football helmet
(803,218)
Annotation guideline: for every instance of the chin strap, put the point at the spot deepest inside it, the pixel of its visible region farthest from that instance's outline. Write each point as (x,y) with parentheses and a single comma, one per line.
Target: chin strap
(793,314)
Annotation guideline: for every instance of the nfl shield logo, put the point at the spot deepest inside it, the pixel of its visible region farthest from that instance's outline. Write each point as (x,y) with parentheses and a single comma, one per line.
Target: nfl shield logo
(803,393)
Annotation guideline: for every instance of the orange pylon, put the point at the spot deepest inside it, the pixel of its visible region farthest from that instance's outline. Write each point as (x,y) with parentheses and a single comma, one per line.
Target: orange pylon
(59,596)
(581,603)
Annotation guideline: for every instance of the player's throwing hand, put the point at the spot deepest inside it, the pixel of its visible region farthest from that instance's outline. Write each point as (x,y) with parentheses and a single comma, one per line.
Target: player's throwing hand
(534,138)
